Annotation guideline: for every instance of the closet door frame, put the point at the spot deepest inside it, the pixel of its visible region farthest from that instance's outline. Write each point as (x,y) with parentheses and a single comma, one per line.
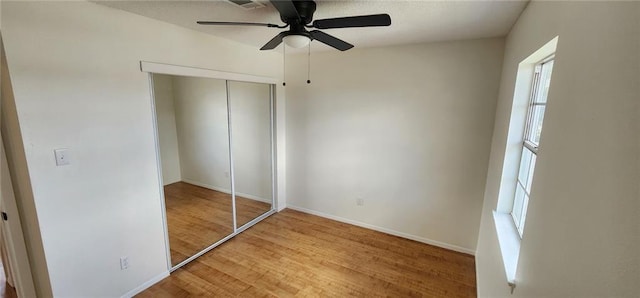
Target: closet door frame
(169,69)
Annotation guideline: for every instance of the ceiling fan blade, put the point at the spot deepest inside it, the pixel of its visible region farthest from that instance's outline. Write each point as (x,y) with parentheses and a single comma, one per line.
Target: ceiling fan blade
(239,24)
(330,40)
(357,21)
(274,42)
(286,8)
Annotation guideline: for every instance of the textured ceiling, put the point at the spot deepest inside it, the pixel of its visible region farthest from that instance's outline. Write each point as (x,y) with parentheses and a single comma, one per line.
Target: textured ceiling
(412,21)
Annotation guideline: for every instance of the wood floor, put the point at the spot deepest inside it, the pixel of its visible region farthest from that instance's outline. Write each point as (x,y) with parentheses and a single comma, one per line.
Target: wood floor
(6,290)
(297,254)
(198,217)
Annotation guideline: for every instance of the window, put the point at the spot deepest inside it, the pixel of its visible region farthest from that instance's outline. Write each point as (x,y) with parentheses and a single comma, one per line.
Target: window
(533,129)
(521,153)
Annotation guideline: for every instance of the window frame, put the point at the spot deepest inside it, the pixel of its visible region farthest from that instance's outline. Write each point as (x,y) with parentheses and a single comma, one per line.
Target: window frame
(528,143)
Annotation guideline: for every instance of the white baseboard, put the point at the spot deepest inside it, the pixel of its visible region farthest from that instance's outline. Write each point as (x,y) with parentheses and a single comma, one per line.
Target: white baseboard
(280,208)
(169,182)
(145,285)
(385,230)
(227,191)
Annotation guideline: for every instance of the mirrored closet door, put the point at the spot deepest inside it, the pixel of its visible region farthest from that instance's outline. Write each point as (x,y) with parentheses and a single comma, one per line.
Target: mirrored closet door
(250,110)
(215,151)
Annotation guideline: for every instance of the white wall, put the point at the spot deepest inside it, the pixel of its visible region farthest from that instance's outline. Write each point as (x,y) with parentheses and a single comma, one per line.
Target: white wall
(406,128)
(167,132)
(77,84)
(583,222)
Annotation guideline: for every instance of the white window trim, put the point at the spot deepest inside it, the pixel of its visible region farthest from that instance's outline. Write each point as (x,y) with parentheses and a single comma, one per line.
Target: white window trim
(508,237)
(509,241)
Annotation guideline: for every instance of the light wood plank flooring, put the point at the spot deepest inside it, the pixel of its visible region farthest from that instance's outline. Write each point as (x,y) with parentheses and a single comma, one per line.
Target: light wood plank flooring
(297,254)
(198,217)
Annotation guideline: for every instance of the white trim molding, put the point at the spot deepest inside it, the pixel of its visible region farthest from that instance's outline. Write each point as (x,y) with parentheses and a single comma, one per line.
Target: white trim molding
(386,231)
(170,69)
(509,241)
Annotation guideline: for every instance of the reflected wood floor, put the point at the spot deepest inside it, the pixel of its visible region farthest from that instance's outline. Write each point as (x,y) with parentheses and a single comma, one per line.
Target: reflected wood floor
(295,254)
(198,217)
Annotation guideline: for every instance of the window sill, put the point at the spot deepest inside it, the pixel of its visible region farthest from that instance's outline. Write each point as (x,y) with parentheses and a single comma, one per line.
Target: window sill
(509,245)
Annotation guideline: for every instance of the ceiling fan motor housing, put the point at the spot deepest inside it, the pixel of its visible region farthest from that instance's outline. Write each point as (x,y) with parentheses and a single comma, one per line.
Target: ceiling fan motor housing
(305,11)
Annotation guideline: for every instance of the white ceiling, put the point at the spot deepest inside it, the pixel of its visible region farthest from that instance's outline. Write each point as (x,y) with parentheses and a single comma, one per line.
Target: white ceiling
(411,21)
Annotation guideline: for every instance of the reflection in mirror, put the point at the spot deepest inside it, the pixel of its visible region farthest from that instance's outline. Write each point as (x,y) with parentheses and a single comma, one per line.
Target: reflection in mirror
(193,137)
(250,110)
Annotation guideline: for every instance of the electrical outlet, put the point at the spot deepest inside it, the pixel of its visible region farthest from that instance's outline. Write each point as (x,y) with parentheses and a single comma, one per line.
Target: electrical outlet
(360,201)
(124,263)
(226,174)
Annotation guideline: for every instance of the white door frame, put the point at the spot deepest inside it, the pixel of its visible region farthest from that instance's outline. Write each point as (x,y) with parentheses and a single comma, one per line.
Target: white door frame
(12,227)
(13,236)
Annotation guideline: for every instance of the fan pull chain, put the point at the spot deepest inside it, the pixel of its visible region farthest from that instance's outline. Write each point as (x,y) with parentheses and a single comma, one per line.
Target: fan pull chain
(309,65)
(284,65)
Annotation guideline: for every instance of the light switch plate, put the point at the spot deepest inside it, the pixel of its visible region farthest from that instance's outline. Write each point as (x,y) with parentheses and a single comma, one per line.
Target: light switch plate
(62,157)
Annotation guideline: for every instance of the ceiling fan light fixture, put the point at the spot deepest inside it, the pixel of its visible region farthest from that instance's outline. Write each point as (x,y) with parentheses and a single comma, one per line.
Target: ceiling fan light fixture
(296,41)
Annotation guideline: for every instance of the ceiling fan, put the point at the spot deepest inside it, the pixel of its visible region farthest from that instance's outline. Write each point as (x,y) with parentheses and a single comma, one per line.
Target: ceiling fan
(298,16)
